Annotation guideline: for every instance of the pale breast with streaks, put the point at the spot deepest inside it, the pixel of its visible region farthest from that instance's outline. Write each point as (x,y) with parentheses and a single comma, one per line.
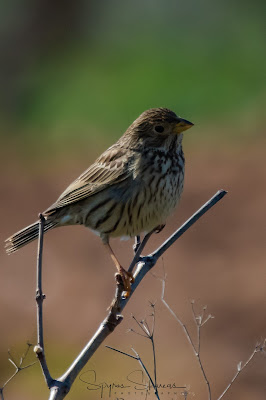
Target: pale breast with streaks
(159,189)
(140,203)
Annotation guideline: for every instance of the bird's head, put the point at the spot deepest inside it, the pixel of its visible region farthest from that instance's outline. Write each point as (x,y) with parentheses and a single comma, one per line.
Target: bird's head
(160,123)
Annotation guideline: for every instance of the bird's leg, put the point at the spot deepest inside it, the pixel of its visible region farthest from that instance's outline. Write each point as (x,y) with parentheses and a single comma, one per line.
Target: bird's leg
(127,277)
(159,228)
(136,244)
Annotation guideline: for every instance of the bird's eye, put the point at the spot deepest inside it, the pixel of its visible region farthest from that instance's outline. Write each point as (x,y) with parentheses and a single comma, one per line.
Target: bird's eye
(159,128)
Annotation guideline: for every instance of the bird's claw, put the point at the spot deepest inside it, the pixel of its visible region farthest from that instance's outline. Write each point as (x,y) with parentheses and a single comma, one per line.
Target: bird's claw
(127,279)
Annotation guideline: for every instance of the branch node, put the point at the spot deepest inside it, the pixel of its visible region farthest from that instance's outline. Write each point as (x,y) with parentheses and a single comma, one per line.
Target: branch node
(149,261)
(38,350)
(112,321)
(41,217)
(39,295)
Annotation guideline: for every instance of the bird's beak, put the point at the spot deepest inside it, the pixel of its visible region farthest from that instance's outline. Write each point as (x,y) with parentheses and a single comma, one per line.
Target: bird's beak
(182,125)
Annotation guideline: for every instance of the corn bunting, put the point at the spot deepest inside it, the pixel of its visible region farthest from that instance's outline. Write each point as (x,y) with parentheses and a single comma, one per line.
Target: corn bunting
(131,188)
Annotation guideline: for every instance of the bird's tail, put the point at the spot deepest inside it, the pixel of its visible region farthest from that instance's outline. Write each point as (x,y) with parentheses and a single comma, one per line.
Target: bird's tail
(26,235)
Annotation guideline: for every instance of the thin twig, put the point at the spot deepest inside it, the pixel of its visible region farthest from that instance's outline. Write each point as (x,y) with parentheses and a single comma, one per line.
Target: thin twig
(39,348)
(121,352)
(198,321)
(153,257)
(206,207)
(177,318)
(138,358)
(154,385)
(39,295)
(259,348)
(151,337)
(140,247)
(153,351)
(18,367)
(142,326)
(149,334)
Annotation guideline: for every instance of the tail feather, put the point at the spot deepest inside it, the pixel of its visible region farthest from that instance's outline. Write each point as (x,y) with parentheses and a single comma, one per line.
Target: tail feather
(26,235)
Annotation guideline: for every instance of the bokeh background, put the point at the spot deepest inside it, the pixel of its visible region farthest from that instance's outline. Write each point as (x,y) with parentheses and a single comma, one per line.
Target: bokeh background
(74,75)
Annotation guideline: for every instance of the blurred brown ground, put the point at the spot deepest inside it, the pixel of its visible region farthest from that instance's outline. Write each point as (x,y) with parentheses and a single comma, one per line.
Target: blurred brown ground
(219,262)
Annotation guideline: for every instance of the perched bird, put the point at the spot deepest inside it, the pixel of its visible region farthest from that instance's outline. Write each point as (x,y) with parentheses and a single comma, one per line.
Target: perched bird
(131,188)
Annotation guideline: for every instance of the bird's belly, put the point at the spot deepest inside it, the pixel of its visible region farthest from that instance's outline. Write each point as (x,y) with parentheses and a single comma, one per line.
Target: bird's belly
(131,209)
(151,207)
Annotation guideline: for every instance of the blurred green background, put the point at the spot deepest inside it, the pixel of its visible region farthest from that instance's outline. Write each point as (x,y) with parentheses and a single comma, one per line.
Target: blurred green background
(73,76)
(70,70)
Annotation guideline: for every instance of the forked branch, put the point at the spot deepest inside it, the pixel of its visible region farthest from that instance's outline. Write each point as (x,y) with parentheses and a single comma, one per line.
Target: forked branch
(260,347)
(19,366)
(146,332)
(200,320)
(61,386)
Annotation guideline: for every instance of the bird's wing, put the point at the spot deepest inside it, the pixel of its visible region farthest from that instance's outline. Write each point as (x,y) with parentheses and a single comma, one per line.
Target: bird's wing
(111,167)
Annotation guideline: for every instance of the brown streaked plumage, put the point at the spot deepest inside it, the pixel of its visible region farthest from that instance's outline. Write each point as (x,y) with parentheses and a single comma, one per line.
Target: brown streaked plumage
(131,188)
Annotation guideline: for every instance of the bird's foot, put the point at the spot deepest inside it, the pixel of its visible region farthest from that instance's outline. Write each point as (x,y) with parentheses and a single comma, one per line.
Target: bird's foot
(127,279)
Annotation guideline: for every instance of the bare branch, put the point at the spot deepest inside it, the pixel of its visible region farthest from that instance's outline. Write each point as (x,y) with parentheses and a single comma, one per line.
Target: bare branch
(18,367)
(154,385)
(260,347)
(171,240)
(153,348)
(201,320)
(138,358)
(177,318)
(149,334)
(142,327)
(206,207)
(139,248)
(198,321)
(121,352)
(39,348)
(61,386)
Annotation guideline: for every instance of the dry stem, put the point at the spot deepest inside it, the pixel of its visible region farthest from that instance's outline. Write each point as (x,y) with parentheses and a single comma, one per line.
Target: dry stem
(200,320)
(18,368)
